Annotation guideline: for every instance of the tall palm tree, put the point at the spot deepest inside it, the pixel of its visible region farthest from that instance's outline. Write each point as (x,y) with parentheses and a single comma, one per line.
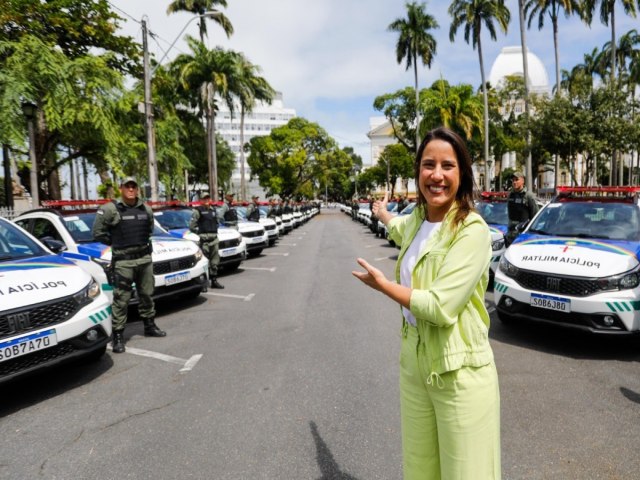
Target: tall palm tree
(608,16)
(473,14)
(199,7)
(248,87)
(415,41)
(209,72)
(552,8)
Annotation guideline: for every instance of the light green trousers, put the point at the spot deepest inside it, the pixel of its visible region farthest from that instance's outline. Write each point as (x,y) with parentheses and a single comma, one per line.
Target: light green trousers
(451,425)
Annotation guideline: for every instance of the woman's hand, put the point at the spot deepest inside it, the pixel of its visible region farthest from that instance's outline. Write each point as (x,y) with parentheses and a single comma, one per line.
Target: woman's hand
(372,277)
(380,205)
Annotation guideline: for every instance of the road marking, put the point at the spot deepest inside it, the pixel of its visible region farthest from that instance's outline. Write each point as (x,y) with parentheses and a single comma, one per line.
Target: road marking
(287,244)
(246,298)
(382,258)
(371,246)
(272,269)
(278,254)
(187,365)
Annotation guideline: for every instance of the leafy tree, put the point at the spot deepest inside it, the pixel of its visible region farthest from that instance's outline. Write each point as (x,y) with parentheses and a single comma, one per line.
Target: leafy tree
(295,159)
(400,109)
(398,163)
(415,42)
(472,14)
(200,7)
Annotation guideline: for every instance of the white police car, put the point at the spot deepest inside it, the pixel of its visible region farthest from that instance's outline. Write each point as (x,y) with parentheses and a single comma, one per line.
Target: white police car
(51,311)
(231,246)
(179,267)
(577,263)
(269,224)
(492,207)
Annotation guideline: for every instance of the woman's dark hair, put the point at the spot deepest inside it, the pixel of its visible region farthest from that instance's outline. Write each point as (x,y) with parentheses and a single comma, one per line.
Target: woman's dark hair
(465,193)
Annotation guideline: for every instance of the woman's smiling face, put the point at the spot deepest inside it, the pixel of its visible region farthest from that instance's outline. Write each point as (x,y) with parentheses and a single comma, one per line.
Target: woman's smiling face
(439,178)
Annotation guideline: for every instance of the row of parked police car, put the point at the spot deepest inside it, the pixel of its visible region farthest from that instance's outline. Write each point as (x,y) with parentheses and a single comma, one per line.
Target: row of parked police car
(575,264)
(55,295)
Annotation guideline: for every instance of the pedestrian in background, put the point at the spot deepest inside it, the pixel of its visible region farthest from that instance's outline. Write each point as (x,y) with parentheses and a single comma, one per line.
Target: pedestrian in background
(449,396)
(227,213)
(126,225)
(253,212)
(204,222)
(521,206)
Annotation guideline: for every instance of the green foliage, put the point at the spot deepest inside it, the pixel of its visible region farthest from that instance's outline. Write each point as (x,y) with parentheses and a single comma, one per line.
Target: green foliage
(396,160)
(400,109)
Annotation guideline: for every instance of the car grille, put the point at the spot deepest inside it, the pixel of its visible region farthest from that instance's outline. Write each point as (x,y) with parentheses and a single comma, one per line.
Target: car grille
(37,316)
(269,227)
(161,268)
(234,242)
(34,359)
(255,233)
(572,286)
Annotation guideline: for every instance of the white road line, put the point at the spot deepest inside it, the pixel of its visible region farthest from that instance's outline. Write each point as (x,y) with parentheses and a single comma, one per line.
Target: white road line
(246,298)
(382,258)
(287,244)
(272,269)
(188,366)
(371,246)
(278,254)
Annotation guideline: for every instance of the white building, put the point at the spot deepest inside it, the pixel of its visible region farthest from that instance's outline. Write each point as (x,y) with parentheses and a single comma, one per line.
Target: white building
(259,122)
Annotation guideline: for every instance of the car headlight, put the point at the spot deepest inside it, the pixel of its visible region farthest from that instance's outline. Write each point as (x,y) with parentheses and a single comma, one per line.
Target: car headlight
(497,245)
(507,268)
(198,255)
(88,293)
(625,281)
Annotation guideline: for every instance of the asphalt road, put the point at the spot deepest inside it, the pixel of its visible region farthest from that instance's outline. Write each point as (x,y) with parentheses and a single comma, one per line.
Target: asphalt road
(291,371)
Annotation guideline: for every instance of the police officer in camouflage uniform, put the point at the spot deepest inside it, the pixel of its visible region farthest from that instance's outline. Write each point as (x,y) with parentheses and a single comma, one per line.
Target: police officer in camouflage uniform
(253,212)
(126,225)
(227,213)
(204,222)
(521,206)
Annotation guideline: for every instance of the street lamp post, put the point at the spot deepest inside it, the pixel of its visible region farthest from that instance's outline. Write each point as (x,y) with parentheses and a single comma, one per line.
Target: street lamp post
(148,104)
(29,110)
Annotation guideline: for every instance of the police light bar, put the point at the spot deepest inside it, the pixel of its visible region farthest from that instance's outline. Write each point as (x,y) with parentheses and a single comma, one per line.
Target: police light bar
(74,204)
(598,191)
(494,195)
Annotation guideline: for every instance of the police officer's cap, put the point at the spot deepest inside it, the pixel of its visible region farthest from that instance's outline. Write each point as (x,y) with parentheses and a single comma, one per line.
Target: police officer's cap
(126,180)
(517,175)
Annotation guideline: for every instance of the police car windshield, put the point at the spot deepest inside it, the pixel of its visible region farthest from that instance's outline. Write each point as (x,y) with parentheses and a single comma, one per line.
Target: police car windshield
(80,227)
(408,209)
(15,244)
(242,212)
(605,220)
(493,212)
(173,219)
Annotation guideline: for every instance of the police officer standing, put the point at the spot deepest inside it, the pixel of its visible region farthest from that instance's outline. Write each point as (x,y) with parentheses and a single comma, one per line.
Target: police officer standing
(521,205)
(227,213)
(204,222)
(126,225)
(253,212)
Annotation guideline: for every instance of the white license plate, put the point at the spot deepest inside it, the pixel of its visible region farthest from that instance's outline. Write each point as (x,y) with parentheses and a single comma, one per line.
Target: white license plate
(27,344)
(255,240)
(177,278)
(227,252)
(551,303)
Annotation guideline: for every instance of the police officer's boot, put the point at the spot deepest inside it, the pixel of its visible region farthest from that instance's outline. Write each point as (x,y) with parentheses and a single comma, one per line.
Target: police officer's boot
(117,342)
(215,283)
(151,329)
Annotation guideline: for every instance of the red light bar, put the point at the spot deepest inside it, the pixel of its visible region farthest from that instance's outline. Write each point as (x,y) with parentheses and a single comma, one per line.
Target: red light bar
(494,195)
(74,203)
(602,191)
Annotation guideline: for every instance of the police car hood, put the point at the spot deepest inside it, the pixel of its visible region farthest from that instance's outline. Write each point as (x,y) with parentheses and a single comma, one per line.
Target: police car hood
(165,247)
(496,234)
(573,256)
(35,280)
(184,233)
(498,226)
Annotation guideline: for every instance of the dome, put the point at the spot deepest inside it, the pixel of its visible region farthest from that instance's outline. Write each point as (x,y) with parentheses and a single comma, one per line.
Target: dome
(509,62)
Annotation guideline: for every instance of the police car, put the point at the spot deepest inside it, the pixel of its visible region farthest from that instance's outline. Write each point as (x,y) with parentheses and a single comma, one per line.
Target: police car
(179,267)
(576,264)
(175,219)
(492,207)
(51,311)
(269,224)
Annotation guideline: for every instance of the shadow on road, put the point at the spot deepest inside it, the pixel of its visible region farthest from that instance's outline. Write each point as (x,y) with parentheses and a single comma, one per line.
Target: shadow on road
(630,394)
(328,467)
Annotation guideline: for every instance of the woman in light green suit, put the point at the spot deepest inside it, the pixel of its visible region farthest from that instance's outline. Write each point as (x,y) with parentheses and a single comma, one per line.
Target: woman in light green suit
(449,397)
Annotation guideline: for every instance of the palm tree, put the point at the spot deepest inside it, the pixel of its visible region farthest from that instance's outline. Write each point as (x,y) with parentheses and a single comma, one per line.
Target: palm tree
(248,87)
(542,8)
(209,72)
(199,7)
(415,41)
(473,14)
(607,15)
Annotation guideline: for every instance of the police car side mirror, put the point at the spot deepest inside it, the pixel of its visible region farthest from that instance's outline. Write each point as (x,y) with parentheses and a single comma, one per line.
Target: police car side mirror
(521,226)
(56,246)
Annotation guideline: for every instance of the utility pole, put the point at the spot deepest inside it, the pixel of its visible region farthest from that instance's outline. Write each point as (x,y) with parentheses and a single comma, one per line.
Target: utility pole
(148,116)
(525,67)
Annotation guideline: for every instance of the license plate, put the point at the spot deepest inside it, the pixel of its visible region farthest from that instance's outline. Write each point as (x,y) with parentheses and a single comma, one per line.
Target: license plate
(551,303)
(177,278)
(227,252)
(27,344)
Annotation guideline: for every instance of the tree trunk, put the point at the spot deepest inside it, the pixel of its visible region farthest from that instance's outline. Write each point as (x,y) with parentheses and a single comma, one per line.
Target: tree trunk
(243,181)
(485,98)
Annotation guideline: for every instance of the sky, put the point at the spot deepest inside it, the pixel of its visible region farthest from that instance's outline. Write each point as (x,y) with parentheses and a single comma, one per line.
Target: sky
(331,58)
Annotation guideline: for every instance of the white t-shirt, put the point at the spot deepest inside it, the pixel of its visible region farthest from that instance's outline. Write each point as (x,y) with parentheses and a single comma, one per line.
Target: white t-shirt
(427,229)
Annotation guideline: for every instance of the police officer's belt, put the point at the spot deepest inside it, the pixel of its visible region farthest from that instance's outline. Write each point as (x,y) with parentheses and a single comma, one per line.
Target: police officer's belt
(146,250)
